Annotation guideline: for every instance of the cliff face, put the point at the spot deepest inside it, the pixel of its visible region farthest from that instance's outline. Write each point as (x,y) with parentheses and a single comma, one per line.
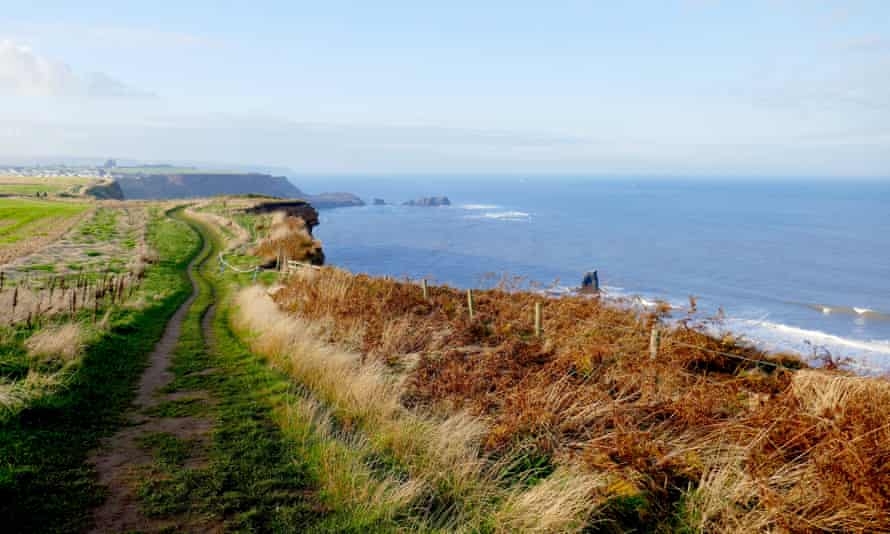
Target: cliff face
(162,186)
(108,189)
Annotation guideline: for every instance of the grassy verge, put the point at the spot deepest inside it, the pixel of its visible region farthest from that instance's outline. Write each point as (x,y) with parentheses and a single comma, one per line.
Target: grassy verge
(44,483)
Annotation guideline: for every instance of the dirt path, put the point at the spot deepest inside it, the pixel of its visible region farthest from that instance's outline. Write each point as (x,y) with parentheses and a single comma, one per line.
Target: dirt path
(122,459)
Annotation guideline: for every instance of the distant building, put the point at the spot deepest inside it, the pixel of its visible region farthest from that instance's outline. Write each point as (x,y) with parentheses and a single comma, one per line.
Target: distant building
(110,164)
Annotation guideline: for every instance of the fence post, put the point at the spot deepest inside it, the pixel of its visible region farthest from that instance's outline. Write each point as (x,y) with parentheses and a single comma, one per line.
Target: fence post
(654,342)
(538,319)
(423,286)
(470,303)
(2,279)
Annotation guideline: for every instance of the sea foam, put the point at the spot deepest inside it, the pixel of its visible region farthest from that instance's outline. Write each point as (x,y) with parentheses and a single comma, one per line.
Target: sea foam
(502,216)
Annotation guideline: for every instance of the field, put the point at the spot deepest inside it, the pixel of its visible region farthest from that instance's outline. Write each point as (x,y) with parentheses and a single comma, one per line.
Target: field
(163,169)
(26,225)
(31,185)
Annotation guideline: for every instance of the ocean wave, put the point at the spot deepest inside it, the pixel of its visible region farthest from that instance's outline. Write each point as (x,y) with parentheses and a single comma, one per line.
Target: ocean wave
(503,216)
(869,355)
(479,206)
(865,313)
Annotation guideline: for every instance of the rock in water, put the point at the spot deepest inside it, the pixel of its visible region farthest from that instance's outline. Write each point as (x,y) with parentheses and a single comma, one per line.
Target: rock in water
(379,202)
(591,282)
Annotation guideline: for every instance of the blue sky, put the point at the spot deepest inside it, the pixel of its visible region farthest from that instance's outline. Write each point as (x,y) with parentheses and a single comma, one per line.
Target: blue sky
(686,87)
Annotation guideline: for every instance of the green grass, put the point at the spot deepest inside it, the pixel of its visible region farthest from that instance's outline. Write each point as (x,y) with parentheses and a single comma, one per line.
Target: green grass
(23,218)
(179,408)
(45,484)
(44,267)
(102,226)
(20,185)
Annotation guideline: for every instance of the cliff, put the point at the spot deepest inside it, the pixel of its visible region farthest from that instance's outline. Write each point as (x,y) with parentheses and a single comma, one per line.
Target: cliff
(105,190)
(191,185)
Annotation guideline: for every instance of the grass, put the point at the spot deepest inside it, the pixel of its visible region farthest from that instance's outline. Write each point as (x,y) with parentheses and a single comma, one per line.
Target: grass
(271,465)
(44,483)
(693,439)
(20,218)
(250,481)
(31,185)
(101,227)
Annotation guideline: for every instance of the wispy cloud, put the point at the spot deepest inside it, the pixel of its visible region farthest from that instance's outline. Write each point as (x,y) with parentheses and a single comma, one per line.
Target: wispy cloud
(23,72)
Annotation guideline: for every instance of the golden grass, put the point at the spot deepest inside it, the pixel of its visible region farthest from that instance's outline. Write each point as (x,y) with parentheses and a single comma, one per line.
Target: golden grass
(59,342)
(288,239)
(441,454)
(711,433)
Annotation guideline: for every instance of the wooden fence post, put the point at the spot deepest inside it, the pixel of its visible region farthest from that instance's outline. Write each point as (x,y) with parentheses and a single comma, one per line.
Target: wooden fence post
(654,342)
(538,319)
(423,285)
(470,303)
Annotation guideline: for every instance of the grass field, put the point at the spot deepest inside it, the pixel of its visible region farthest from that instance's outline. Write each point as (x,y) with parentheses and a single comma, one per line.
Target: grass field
(21,219)
(27,185)
(26,225)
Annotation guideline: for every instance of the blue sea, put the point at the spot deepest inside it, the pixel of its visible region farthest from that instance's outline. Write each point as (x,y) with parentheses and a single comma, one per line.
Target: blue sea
(793,264)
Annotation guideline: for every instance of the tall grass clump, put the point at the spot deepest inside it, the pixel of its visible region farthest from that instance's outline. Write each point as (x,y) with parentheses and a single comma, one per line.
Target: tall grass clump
(288,237)
(712,434)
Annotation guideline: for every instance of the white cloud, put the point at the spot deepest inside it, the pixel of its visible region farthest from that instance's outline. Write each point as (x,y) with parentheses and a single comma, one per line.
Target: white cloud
(24,72)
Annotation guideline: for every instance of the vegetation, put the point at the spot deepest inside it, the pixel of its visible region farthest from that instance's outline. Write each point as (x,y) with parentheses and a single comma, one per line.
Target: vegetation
(21,217)
(321,401)
(709,435)
(32,185)
(44,482)
(287,239)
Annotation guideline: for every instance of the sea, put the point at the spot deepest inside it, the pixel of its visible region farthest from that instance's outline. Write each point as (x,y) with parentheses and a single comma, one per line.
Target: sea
(791,265)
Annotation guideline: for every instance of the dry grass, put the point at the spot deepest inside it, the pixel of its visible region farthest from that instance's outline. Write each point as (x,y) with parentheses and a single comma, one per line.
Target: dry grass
(60,342)
(733,442)
(450,480)
(16,395)
(231,233)
(287,237)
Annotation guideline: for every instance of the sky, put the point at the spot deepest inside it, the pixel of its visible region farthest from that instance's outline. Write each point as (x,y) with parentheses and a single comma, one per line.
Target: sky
(716,88)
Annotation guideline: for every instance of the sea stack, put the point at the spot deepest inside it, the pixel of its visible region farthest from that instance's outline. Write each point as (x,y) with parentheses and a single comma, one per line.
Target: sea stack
(591,282)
